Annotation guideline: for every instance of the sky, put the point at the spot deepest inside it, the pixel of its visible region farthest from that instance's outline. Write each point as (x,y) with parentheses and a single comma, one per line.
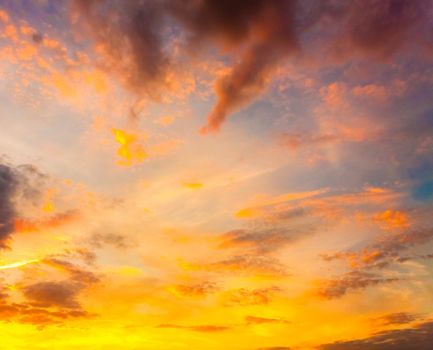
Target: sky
(207,174)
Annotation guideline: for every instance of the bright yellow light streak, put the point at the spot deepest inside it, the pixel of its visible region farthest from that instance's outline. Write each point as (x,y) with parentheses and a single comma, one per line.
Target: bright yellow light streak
(18,264)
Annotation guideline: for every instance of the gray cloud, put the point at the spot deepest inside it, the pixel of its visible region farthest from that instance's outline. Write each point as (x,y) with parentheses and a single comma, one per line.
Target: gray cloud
(98,240)
(61,294)
(354,280)
(260,240)
(397,318)
(22,182)
(386,251)
(419,337)
(8,187)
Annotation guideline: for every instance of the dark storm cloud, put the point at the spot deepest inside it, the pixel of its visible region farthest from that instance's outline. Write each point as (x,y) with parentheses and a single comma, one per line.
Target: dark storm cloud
(130,35)
(417,338)
(380,28)
(266,29)
(22,182)
(8,187)
(136,38)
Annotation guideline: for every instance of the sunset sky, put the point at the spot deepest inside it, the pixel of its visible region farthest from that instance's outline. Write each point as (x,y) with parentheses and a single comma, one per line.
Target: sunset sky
(221,174)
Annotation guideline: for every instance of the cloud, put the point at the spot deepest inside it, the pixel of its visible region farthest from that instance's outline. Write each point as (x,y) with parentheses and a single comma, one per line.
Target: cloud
(382,28)
(77,274)
(99,240)
(333,206)
(419,337)
(131,151)
(145,43)
(50,302)
(260,241)
(374,257)
(60,294)
(21,182)
(263,320)
(8,187)
(245,264)
(199,328)
(54,221)
(40,317)
(385,251)
(393,218)
(353,280)
(270,37)
(296,140)
(398,318)
(47,304)
(260,207)
(129,39)
(247,297)
(192,290)
(136,43)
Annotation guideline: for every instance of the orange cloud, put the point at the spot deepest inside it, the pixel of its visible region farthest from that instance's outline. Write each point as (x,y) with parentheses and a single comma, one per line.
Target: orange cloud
(372,91)
(194,290)
(392,219)
(247,297)
(247,264)
(263,320)
(24,225)
(4,17)
(351,281)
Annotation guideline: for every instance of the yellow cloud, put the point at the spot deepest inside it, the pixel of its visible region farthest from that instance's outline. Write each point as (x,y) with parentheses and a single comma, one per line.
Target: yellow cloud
(130,151)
